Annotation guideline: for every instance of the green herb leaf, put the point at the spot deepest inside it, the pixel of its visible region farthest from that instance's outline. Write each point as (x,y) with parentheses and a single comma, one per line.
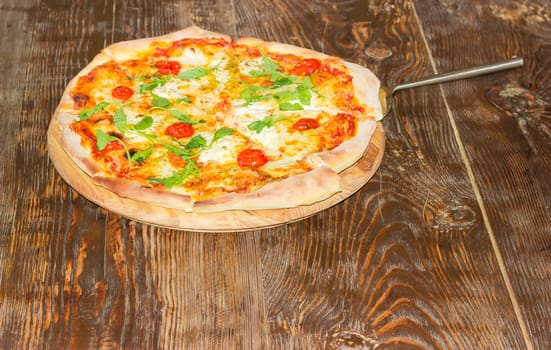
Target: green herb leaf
(144,123)
(178,178)
(142,155)
(253,94)
(307,83)
(267,122)
(197,141)
(268,64)
(159,101)
(221,133)
(88,113)
(120,120)
(193,73)
(288,106)
(182,99)
(269,67)
(286,96)
(102,139)
(304,91)
(155,81)
(304,95)
(284,81)
(183,117)
(152,138)
(176,150)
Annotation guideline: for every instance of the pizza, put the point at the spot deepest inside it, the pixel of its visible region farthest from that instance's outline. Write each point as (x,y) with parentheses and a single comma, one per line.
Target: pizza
(199,122)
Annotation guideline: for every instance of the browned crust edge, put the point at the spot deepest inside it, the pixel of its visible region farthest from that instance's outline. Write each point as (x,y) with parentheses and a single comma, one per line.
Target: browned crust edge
(303,189)
(136,191)
(350,151)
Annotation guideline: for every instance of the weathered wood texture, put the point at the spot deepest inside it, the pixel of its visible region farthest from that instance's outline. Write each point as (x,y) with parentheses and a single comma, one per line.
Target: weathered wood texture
(504,122)
(407,262)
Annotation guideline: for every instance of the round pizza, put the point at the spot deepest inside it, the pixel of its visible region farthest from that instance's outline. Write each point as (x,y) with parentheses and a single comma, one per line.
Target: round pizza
(196,121)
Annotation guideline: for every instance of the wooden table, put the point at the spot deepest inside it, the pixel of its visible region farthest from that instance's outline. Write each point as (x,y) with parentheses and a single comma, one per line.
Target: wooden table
(447,247)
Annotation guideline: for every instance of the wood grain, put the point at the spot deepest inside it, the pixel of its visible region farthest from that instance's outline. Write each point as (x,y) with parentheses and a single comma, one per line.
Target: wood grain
(504,125)
(408,262)
(359,273)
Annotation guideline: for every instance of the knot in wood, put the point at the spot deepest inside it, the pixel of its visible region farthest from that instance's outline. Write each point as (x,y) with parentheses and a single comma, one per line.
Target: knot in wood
(350,340)
(456,215)
(378,52)
(515,100)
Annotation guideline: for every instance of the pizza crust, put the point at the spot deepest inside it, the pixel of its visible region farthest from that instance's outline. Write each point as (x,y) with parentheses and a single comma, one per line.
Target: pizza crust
(126,50)
(137,191)
(303,189)
(367,87)
(350,151)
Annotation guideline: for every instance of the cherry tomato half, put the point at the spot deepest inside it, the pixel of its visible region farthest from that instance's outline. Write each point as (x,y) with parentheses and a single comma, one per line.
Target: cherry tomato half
(122,92)
(169,67)
(251,158)
(306,124)
(179,130)
(307,66)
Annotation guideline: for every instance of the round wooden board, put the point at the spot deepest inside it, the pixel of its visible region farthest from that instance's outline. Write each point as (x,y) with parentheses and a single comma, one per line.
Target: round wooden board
(352,179)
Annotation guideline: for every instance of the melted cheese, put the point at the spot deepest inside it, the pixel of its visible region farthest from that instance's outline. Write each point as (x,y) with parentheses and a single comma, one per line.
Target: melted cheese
(192,56)
(171,90)
(247,66)
(222,151)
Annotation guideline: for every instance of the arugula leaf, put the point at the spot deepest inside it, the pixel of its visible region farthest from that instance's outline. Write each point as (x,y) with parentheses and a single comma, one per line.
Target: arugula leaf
(304,91)
(178,178)
(284,81)
(307,83)
(176,150)
(304,95)
(144,123)
(183,117)
(286,96)
(159,101)
(269,67)
(288,106)
(182,99)
(120,120)
(88,113)
(197,141)
(155,81)
(268,64)
(193,73)
(221,133)
(142,155)
(253,94)
(102,139)
(152,138)
(267,122)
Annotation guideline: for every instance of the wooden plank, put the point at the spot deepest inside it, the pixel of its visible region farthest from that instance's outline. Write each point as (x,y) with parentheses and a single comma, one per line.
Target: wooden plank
(504,125)
(74,275)
(407,261)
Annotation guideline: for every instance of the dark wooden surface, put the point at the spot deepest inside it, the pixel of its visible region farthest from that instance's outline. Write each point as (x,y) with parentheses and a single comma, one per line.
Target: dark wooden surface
(448,247)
